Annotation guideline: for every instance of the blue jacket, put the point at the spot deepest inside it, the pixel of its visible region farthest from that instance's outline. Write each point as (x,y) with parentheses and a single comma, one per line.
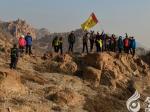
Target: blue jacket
(120,43)
(133,44)
(28,40)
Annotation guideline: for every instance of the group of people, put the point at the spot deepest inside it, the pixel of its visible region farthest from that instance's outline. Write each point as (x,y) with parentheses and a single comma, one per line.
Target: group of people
(57,43)
(24,42)
(102,42)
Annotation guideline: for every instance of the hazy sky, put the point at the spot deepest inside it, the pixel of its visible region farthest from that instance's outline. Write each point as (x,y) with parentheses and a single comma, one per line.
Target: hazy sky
(115,16)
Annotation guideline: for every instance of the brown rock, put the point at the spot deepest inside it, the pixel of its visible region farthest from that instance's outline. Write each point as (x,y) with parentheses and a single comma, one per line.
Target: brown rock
(91,74)
(10,82)
(107,78)
(67,97)
(69,67)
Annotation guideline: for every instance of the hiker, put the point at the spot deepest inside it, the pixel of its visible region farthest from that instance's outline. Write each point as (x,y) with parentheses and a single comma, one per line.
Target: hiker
(55,44)
(133,46)
(130,45)
(28,39)
(61,45)
(14,56)
(98,43)
(113,43)
(108,43)
(92,39)
(103,38)
(126,44)
(71,41)
(85,43)
(120,44)
(22,44)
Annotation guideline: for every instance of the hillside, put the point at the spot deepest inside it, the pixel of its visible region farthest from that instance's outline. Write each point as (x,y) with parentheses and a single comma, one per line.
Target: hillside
(94,82)
(73,83)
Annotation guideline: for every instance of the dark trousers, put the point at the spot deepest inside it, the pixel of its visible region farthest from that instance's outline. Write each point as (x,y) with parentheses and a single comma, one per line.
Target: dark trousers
(56,49)
(98,48)
(71,47)
(13,63)
(126,50)
(61,49)
(91,45)
(85,46)
(133,51)
(120,50)
(21,48)
(28,49)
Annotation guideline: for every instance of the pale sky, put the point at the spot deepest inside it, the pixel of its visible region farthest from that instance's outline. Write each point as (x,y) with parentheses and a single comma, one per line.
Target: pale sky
(115,16)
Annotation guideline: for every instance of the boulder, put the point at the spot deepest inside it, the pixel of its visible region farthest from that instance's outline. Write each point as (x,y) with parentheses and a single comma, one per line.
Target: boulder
(107,78)
(97,60)
(92,74)
(68,68)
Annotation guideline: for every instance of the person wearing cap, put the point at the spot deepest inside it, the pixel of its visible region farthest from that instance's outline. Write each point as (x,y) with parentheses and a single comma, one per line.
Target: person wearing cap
(22,44)
(28,39)
(14,56)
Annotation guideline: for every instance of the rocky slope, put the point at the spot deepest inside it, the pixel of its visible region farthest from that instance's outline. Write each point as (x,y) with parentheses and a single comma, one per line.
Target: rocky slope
(73,83)
(96,82)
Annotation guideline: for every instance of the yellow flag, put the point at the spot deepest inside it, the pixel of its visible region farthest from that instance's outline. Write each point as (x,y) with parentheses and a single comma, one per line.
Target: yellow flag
(90,22)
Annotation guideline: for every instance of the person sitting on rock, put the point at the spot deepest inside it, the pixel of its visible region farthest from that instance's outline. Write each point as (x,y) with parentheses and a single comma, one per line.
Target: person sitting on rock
(55,44)
(28,39)
(22,44)
(14,56)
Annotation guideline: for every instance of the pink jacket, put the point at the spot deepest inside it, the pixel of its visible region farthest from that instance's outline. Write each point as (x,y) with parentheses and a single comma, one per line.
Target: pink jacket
(22,42)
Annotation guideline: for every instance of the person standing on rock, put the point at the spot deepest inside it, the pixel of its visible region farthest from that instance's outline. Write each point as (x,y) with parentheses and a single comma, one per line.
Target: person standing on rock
(126,44)
(96,41)
(22,44)
(92,39)
(55,44)
(71,41)
(85,43)
(28,39)
(14,56)
(120,44)
(113,43)
(61,45)
(103,38)
(133,46)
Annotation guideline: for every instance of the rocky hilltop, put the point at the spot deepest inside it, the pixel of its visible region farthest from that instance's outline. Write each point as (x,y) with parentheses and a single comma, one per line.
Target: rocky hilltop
(97,82)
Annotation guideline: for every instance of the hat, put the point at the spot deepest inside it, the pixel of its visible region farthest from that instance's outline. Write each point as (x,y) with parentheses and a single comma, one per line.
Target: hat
(22,36)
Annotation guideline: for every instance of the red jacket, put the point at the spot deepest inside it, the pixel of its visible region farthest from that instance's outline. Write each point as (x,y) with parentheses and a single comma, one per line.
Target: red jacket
(22,42)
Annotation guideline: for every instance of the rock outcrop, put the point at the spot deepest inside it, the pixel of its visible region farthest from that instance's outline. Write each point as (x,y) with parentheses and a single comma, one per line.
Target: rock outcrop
(18,27)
